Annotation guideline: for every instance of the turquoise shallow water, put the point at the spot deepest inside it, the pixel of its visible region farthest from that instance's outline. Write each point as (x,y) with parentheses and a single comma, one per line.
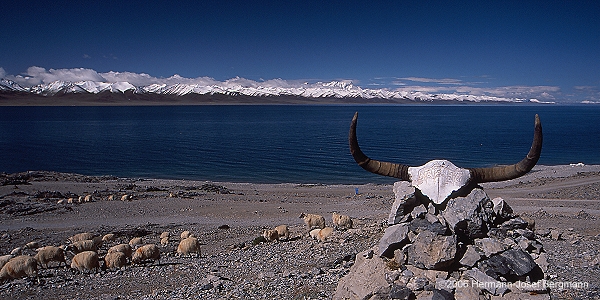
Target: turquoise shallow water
(285,143)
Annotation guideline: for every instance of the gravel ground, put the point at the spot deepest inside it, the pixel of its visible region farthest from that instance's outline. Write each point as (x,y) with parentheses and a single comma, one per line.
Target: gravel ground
(233,264)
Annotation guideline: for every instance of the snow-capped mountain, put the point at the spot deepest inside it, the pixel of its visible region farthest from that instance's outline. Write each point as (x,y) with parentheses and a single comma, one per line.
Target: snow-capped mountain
(333,89)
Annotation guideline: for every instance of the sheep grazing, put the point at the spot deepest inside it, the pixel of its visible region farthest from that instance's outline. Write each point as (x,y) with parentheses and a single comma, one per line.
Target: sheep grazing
(312,220)
(324,234)
(48,254)
(109,237)
(111,198)
(17,267)
(271,235)
(81,237)
(16,251)
(85,261)
(88,198)
(186,234)
(126,197)
(135,241)
(342,222)
(115,260)
(283,232)
(81,246)
(189,246)
(146,252)
(164,235)
(123,248)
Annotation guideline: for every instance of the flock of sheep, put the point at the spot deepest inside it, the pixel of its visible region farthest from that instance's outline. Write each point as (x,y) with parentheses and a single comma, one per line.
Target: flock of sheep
(316,227)
(86,249)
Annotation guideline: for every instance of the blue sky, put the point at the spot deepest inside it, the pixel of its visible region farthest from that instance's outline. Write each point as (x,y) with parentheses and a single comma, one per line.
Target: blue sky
(549,50)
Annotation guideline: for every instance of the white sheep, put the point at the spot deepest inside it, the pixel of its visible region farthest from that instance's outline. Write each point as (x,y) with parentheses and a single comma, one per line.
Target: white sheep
(164,235)
(16,251)
(81,246)
(342,222)
(189,246)
(82,237)
(88,198)
(315,233)
(126,197)
(115,260)
(312,220)
(123,248)
(271,235)
(135,241)
(325,233)
(48,254)
(85,261)
(146,252)
(17,267)
(111,198)
(283,232)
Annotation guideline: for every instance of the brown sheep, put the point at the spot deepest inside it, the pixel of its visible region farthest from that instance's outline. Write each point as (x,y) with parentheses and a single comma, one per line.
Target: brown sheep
(189,246)
(17,267)
(81,237)
(312,220)
(85,261)
(48,254)
(271,235)
(124,248)
(283,232)
(342,222)
(80,246)
(135,241)
(146,252)
(4,259)
(115,260)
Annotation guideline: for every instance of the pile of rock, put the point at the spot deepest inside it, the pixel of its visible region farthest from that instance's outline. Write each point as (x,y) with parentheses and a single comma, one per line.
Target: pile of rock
(467,247)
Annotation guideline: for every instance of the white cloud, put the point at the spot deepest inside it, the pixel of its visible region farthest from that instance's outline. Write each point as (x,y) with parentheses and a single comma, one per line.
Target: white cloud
(433,80)
(2,72)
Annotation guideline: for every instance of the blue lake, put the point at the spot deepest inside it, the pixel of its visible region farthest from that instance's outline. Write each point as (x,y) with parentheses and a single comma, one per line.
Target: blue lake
(285,143)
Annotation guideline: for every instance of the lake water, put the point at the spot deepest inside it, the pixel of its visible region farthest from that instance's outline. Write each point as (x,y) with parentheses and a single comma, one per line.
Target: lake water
(285,143)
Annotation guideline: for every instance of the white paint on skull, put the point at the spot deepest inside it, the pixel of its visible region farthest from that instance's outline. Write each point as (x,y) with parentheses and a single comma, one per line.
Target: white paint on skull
(437,179)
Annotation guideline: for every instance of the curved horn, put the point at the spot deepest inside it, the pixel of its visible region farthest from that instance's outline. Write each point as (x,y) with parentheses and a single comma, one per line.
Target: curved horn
(374,166)
(501,173)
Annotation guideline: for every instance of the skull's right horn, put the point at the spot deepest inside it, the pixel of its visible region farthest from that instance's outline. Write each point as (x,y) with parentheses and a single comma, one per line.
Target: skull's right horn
(501,173)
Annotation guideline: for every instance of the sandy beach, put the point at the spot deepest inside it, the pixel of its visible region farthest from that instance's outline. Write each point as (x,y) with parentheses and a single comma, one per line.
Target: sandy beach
(228,217)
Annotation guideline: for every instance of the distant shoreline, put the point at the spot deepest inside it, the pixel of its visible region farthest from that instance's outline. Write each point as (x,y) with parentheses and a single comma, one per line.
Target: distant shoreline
(131,99)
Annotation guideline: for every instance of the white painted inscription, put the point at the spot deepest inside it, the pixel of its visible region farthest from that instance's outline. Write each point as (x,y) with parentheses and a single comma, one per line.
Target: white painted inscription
(437,179)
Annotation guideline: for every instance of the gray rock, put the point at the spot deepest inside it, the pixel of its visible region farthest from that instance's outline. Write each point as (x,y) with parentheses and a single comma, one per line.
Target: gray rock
(394,238)
(365,279)
(555,234)
(501,209)
(465,215)
(432,251)
(485,282)
(511,262)
(405,201)
(418,225)
(418,212)
(400,292)
(471,257)
(514,223)
(489,246)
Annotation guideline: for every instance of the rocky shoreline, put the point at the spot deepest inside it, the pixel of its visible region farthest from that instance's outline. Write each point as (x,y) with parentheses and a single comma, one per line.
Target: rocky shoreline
(564,201)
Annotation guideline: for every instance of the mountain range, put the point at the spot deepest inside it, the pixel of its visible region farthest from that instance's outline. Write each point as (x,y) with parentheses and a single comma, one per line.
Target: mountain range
(334,91)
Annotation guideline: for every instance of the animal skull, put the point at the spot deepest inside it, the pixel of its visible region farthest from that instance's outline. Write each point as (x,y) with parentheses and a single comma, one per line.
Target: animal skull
(437,179)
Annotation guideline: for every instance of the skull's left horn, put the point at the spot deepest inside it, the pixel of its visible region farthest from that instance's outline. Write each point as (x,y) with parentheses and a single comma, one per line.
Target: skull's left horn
(374,166)
(501,173)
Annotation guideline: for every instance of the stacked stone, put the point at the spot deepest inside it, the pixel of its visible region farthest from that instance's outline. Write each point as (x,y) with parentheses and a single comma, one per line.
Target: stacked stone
(467,247)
